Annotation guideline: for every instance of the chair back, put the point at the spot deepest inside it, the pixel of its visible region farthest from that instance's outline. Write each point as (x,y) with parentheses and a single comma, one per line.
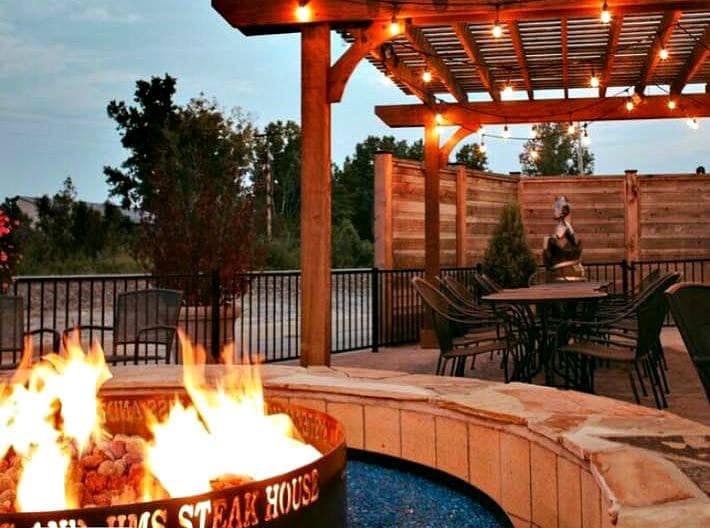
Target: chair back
(651,312)
(440,311)
(12,323)
(139,310)
(459,290)
(649,279)
(690,306)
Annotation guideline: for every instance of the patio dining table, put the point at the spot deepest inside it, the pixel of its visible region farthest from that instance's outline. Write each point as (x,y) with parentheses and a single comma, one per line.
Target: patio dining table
(543,297)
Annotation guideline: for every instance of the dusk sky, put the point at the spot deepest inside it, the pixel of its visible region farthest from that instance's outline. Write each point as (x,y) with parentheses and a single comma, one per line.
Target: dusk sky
(62,61)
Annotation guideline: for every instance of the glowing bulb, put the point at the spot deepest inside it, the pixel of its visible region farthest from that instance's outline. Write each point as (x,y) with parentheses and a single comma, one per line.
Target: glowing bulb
(426,76)
(671,104)
(605,15)
(629,105)
(439,119)
(303,12)
(507,90)
(693,123)
(497,30)
(586,140)
(482,147)
(395,28)
(571,129)
(594,81)
(482,129)
(506,132)
(534,154)
(663,54)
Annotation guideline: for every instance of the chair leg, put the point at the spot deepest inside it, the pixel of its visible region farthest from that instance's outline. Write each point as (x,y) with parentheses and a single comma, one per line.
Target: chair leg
(656,369)
(633,386)
(640,377)
(662,354)
(655,388)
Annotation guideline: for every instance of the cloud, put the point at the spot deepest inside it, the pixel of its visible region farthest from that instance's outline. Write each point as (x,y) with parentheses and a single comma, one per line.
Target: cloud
(94,13)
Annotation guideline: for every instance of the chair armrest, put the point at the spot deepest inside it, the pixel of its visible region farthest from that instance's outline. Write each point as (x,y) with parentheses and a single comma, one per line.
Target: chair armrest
(81,328)
(145,329)
(56,339)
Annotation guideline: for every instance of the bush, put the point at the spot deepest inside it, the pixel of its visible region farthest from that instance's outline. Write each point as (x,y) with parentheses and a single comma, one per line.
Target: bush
(508,258)
(349,250)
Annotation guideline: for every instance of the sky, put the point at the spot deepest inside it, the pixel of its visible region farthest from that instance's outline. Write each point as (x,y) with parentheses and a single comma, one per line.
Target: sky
(62,61)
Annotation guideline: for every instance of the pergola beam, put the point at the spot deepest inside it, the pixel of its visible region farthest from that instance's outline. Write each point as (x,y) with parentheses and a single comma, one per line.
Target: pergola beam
(401,72)
(663,35)
(565,56)
(417,38)
(473,52)
(614,32)
(450,144)
(255,17)
(695,61)
(517,42)
(555,110)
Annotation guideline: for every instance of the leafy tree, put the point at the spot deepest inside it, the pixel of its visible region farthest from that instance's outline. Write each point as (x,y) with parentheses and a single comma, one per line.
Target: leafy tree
(13,235)
(353,184)
(508,258)
(187,170)
(349,251)
(471,156)
(555,152)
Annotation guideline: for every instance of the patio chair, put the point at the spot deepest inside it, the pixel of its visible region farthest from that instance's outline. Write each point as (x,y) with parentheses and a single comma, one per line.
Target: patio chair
(141,319)
(484,284)
(599,340)
(449,323)
(690,306)
(13,334)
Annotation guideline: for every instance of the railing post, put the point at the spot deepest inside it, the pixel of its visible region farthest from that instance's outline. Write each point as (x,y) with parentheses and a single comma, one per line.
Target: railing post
(625,276)
(215,294)
(375,298)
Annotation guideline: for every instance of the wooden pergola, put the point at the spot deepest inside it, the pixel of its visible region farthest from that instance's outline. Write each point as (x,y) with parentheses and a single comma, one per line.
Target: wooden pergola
(444,53)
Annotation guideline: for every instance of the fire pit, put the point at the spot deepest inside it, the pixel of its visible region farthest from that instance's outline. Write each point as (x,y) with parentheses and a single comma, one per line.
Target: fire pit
(212,454)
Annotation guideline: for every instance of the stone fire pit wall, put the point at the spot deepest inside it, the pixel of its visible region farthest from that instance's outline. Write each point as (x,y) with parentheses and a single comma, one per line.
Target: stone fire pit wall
(550,458)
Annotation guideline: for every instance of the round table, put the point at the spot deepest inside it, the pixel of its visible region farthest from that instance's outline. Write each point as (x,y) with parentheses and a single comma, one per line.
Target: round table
(543,296)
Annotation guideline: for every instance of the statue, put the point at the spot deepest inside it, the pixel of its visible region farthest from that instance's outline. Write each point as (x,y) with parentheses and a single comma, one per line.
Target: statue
(562,250)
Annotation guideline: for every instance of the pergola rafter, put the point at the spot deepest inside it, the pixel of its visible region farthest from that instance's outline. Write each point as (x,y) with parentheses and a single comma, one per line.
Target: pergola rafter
(454,40)
(663,35)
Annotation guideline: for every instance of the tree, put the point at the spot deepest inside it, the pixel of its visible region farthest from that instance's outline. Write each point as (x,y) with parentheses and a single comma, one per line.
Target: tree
(508,258)
(353,193)
(555,152)
(471,156)
(13,235)
(349,251)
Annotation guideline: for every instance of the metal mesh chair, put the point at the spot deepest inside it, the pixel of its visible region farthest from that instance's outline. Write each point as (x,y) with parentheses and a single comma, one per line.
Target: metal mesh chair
(13,334)
(144,321)
(690,306)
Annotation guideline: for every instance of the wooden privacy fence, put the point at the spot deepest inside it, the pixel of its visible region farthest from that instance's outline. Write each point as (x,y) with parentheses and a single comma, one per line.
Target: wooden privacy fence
(628,216)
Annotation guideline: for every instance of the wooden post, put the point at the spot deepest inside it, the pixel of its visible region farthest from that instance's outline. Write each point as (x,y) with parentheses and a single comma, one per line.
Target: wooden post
(632,230)
(383,210)
(315,196)
(431,220)
(461,190)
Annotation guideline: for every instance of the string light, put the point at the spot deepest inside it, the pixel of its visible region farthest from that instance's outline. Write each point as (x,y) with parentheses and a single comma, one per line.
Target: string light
(497,29)
(395,27)
(534,154)
(594,81)
(693,123)
(439,119)
(671,104)
(571,129)
(507,91)
(426,75)
(663,54)
(629,105)
(605,14)
(482,130)
(303,11)
(533,132)
(506,132)
(482,148)
(586,140)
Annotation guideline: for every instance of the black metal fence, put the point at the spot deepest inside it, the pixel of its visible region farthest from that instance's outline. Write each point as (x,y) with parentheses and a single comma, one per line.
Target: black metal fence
(260,311)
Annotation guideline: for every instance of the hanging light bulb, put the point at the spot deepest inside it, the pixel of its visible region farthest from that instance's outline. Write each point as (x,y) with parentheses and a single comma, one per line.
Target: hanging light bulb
(497,29)
(629,105)
(482,147)
(571,129)
(693,123)
(534,154)
(586,140)
(605,14)
(663,54)
(506,132)
(594,81)
(671,104)
(303,11)
(482,130)
(439,119)
(426,75)
(507,90)
(395,28)
(533,131)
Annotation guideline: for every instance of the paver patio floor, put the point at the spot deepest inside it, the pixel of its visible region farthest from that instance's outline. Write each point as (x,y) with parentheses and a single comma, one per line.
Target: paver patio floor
(686,399)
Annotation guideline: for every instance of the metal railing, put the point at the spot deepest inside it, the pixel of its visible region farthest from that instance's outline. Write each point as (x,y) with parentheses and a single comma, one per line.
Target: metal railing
(260,311)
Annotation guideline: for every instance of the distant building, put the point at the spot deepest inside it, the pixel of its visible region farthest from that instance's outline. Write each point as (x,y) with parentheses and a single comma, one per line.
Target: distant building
(29,207)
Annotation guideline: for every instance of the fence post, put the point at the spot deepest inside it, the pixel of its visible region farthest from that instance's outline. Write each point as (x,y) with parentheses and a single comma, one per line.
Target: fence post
(215,294)
(632,230)
(375,297)
(625,276)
